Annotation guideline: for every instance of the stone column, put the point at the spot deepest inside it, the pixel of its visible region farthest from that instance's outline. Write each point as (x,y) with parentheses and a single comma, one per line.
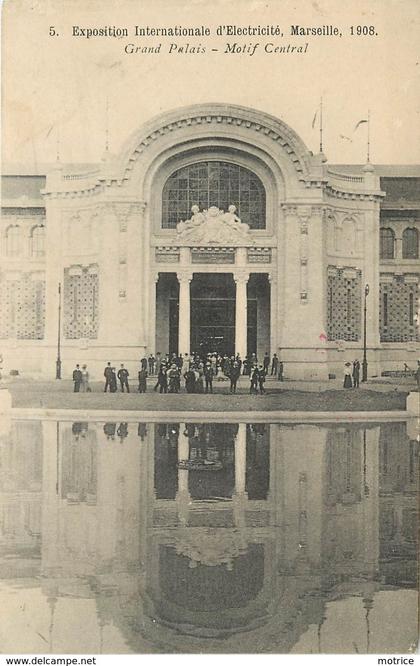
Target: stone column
(240,460)
(370,498)
(184,325)
(183,495)
(240,495)
(241,280)
(151,333)
(51,485)
(273,314)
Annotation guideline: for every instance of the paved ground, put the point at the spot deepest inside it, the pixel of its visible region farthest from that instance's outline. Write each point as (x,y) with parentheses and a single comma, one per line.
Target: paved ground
(287,395)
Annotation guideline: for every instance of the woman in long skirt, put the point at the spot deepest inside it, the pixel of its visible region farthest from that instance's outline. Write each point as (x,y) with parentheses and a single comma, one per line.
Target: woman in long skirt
(347,376)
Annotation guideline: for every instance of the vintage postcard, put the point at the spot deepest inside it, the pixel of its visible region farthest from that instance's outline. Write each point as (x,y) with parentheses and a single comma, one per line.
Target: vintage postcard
(209,328)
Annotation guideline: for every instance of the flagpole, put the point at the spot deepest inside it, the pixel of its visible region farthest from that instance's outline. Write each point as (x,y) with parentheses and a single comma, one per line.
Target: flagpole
(58,144)
(368,137)
(58,361)
(320,126)
(107,125)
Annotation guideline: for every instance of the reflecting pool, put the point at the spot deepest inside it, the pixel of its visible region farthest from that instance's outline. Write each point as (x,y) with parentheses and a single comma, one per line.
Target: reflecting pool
(207,537)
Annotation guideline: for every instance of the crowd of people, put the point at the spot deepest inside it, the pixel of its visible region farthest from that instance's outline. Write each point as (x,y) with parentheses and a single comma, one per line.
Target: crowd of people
(197,371)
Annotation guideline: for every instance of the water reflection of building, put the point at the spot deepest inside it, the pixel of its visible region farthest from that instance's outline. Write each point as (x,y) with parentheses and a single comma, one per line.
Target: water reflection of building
(249,552)
(398,474)
(20,499)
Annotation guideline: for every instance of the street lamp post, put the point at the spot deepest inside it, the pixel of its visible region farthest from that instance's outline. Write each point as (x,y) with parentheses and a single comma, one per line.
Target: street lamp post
(58,361)
(365,363)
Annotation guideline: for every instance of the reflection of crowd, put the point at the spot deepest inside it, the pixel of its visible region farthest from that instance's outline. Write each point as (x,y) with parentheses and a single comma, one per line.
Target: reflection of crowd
(112,430)
(197,371)
(205,438)
(200,433)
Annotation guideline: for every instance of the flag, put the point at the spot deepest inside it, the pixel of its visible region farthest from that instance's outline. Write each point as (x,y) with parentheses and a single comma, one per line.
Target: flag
(314,119)
(347,138)
(359,123)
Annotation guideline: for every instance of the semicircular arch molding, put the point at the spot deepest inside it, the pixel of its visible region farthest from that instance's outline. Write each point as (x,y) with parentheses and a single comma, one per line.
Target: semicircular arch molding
(218,121)
(249,157)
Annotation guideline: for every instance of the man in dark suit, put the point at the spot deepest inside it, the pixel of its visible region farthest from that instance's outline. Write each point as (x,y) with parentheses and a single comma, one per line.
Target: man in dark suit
(162,380)
(208,376)
(77,378)
(123,377)
(108,377)
(234,376)
(142,380)
(254,375)
(356,373)
(261,378)
(274,365)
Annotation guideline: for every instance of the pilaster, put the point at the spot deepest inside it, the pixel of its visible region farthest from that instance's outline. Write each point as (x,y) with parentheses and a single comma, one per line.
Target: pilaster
(150,323)
(184,324)
(371,277)
(53,269)
(241,278)
(274,319)
(304,339)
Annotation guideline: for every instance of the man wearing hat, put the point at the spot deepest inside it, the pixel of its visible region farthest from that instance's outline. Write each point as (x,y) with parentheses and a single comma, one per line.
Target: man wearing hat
(208,376)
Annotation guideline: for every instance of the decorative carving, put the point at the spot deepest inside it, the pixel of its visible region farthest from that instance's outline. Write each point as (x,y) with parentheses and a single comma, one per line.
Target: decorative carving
(213,227)
(241,276)
(304,213)
(167,255)
(122,212)
(259,255)
(289,209)
(213,255)
(210,547)
(335,193)
(139,208)
(122,280)
(184,276)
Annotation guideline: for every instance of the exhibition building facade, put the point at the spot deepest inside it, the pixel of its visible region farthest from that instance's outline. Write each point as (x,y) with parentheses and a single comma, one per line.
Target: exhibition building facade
(214,229)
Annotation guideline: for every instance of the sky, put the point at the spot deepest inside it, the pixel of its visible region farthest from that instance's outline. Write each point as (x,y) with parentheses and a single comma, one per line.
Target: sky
(55,88)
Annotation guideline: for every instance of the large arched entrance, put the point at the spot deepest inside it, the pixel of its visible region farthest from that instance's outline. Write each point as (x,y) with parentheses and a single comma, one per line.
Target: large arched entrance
(198,310)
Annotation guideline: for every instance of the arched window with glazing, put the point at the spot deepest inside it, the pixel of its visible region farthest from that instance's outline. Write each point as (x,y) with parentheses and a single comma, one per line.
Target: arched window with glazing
(410,243)
(387,243)
(13,240)
(213,183)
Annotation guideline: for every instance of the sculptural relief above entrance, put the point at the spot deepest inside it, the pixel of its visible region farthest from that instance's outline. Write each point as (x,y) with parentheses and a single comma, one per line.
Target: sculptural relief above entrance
(214,227)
